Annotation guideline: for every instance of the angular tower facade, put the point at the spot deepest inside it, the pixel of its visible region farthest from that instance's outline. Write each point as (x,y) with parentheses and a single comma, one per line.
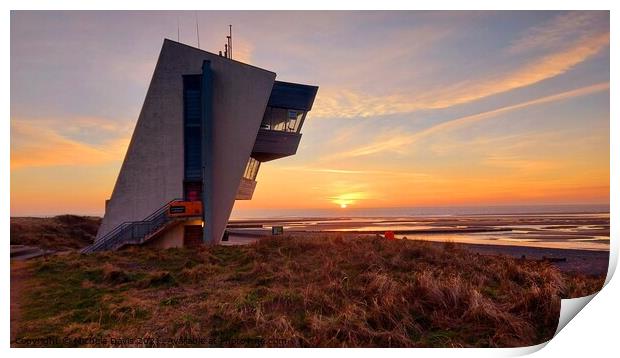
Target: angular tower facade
(206,125)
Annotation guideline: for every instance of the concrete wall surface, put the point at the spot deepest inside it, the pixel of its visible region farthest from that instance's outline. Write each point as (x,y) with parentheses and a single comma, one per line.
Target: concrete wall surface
(173,237)
(240,96)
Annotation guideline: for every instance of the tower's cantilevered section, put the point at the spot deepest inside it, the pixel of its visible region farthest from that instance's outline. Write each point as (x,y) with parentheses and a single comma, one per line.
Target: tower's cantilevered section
(206,125)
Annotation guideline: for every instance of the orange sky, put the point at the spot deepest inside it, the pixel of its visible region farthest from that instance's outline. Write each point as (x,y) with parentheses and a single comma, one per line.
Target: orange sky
(430,109)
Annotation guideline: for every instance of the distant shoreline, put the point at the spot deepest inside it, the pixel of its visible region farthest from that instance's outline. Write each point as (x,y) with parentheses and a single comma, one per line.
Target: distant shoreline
(344,217)
(420,211)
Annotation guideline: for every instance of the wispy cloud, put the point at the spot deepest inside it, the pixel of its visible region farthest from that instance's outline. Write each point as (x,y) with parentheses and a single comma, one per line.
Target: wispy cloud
(560,29)
(399,142)
(347,103)
(365,172)
(536,71)
(325,170)
(517,162)
(463,121)
(35,145)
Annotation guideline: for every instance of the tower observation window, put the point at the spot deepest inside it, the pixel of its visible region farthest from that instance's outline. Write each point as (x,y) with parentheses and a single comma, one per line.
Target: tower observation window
(251,169)
(283,119)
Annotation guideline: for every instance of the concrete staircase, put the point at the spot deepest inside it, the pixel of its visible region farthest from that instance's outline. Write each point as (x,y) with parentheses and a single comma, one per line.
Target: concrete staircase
(135,232)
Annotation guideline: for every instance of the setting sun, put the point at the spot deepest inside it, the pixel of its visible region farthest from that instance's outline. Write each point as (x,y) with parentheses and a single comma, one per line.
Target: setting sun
(344,200)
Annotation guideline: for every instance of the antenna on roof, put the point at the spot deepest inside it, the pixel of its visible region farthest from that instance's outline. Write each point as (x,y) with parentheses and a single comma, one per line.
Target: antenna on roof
(230,47)
(197,31)
(178,30)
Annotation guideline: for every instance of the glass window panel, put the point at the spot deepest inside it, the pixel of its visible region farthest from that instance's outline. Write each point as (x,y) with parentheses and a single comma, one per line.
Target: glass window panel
(251,169)
(282,119)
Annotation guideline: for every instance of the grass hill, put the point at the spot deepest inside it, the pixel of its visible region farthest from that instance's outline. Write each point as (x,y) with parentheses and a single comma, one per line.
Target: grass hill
(56,233)
(290,291)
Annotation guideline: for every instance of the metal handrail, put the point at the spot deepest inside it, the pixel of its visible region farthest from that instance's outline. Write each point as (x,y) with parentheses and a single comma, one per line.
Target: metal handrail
(129,231)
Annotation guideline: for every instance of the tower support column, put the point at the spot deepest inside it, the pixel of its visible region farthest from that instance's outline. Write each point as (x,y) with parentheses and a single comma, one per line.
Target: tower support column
(207,153)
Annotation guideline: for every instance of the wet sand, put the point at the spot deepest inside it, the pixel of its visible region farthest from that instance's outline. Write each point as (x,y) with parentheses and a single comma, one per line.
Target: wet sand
(559,231)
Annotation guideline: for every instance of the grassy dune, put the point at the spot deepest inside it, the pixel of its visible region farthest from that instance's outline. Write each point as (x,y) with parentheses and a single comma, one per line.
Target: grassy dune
(55,233)
(326,292)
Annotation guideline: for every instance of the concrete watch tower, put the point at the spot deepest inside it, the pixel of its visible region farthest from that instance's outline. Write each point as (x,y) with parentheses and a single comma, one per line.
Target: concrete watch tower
(206,125)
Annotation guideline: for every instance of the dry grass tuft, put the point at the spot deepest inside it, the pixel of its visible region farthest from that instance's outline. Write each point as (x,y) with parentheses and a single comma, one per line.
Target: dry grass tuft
(113,274)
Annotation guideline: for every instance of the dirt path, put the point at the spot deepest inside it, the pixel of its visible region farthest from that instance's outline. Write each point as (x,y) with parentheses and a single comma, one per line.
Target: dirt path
(19,274)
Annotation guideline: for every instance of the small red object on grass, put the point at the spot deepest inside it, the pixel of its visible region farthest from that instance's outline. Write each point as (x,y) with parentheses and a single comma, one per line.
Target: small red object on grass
(389,235)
